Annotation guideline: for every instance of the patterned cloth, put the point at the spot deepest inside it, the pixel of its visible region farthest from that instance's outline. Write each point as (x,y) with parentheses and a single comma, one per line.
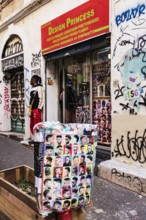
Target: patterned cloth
(64,164)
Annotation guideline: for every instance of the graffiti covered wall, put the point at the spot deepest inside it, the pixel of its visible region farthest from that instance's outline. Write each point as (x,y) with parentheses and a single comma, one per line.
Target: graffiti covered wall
(128,80)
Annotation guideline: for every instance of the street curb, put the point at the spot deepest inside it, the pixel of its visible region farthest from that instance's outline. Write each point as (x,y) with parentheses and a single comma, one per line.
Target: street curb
(12,136)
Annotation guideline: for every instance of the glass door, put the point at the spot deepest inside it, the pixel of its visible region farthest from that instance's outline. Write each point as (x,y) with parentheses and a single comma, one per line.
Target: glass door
(75,84)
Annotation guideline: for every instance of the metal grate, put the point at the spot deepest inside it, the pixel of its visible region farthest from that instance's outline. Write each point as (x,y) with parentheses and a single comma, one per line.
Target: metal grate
(17,102)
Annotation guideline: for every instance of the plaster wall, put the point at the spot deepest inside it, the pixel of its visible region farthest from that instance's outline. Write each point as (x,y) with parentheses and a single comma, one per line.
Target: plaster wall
(12,7)
(128,81)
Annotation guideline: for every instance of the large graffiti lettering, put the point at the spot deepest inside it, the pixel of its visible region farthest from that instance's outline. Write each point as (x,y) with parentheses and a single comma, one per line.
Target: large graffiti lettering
(131,38)
(6,99)
(130,14)
(135,148)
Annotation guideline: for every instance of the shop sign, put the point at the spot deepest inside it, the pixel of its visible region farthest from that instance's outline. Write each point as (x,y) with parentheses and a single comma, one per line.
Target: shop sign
(84,22)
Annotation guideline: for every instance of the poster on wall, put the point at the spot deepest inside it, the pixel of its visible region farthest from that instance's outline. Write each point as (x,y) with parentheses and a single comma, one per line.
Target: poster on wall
(101,79)
(102,118)
(83,114)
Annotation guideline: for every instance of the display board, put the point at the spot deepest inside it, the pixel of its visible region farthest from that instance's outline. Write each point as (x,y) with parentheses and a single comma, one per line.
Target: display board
(63,165)
(102,118)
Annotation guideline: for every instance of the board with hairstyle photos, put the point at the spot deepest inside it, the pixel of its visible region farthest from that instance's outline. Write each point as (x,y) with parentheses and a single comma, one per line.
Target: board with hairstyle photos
(63,165)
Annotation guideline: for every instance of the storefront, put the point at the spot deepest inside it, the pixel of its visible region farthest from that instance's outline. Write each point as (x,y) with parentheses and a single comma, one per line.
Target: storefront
(76,47)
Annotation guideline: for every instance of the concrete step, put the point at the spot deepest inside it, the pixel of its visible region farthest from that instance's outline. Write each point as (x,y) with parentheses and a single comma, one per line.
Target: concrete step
(130,176)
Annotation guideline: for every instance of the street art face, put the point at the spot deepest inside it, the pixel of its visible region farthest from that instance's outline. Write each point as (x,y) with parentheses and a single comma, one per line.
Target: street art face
(130,67)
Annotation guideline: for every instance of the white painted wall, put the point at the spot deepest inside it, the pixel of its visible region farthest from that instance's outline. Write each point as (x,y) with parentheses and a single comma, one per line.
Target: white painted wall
(128,66)
(52,101)
(29,30)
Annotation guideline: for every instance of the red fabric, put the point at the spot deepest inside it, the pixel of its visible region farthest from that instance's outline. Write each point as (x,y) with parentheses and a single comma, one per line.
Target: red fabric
(67,215)
(35,118)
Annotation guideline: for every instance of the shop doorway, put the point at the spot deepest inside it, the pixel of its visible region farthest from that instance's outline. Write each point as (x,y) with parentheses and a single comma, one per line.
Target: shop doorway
(75,89)
(84,90)
(13,78)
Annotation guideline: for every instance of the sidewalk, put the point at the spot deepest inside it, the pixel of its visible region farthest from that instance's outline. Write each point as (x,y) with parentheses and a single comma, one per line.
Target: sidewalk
(13,135)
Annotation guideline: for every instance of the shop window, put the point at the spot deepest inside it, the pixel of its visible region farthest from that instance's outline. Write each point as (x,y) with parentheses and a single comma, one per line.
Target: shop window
(86,89)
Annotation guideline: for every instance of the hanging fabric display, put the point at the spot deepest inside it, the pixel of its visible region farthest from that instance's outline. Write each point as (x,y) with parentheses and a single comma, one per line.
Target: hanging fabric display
(64,158)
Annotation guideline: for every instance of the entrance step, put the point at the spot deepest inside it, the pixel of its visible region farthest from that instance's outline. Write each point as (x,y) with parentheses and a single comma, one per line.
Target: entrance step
(130,176)
(102,154)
